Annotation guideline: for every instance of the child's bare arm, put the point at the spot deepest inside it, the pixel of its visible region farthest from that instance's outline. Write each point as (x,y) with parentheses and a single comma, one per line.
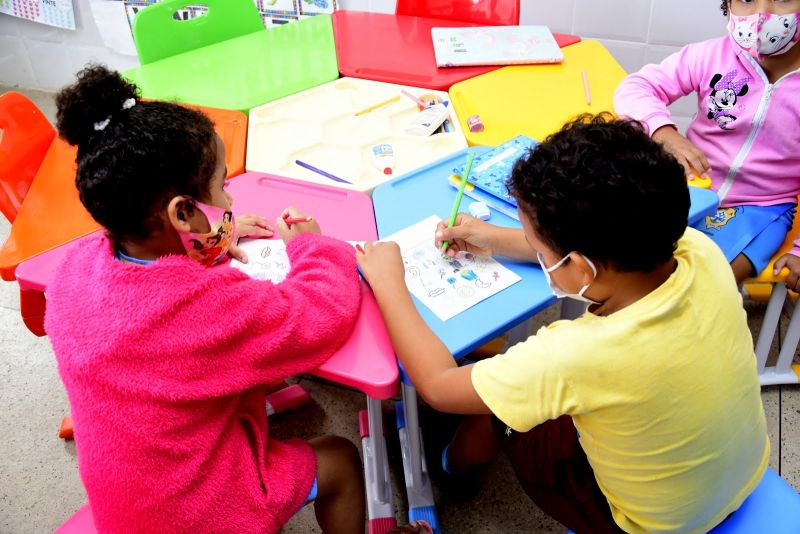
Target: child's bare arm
(473,235)
(443,385)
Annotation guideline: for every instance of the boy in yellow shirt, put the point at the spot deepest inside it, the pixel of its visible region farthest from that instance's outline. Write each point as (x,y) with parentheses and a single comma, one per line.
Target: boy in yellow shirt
(644,414)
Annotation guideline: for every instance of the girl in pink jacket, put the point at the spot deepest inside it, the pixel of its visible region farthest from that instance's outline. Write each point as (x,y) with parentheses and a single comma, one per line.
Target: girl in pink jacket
(166,352)
(745,134)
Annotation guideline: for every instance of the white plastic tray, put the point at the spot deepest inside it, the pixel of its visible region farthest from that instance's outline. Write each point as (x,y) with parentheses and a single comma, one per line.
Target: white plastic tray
(320,127)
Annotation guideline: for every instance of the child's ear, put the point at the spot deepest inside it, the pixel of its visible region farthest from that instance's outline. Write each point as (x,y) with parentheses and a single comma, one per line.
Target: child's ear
(587,273)
(179,213)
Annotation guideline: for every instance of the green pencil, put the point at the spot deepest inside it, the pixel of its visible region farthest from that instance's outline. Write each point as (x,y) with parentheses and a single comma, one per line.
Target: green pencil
(457,204)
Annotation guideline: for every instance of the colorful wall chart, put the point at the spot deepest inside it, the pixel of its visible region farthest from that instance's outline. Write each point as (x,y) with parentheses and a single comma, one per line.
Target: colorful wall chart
(273,12)
(57,13)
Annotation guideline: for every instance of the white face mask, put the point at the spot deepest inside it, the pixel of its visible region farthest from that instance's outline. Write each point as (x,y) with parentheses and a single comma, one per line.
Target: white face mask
(557,291)
(765,34)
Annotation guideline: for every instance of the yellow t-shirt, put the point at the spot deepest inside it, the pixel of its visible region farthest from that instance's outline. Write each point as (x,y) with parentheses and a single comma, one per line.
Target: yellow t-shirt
(664,394)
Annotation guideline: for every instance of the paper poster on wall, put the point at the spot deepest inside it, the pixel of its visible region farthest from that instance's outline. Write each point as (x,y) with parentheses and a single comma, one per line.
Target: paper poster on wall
(57,13)
(317,7)
(111,16)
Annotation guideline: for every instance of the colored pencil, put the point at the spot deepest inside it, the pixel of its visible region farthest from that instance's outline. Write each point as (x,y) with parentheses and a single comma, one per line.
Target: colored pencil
(586,88)
(378,105)
(321,172)
(457,203)
(296,220)
(359,248)
(419,102)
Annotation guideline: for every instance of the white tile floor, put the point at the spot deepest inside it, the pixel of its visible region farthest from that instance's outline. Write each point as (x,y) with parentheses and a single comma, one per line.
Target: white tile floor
(40,487)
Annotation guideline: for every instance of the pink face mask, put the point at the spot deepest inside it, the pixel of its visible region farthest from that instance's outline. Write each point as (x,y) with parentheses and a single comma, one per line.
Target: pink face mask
(210,248)
(765,34)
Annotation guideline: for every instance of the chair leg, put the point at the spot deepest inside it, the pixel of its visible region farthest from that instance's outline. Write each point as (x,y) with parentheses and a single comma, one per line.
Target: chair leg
(783,372)
(784,369)
(770,325)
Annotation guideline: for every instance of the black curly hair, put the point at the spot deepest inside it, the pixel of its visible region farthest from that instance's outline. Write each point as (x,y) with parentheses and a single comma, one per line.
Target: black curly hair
(600,186)
(129,169)
(724,7)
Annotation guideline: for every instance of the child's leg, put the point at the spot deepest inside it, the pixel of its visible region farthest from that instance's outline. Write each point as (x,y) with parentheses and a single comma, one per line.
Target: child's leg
(742,268)
(474,444)
(341,502)
(553,470)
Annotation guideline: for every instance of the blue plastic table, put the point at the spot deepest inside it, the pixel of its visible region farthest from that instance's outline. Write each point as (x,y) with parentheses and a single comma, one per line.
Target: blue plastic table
(413,197)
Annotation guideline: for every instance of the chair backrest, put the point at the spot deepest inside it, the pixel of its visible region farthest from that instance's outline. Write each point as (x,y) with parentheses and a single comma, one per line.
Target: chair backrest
(487,12)
(25,137)
(158,34)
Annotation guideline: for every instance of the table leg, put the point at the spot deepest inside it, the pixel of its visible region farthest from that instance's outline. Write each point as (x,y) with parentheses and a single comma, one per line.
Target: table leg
(572,309)
(415,470)
(380,508)
(519,333)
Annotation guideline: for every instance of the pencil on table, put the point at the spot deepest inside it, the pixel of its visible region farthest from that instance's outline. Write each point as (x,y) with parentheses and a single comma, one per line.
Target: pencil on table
(586,88)
(378,105)
(321,172)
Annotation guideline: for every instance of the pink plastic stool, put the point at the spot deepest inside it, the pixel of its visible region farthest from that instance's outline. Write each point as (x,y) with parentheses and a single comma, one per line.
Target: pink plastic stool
(81,522)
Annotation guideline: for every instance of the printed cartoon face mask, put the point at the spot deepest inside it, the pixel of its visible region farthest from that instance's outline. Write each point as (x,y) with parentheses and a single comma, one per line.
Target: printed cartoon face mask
(210,248)
(765,34)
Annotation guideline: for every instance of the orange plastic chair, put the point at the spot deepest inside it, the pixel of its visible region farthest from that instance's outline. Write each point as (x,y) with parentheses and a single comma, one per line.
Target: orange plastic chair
(487,12)
(26,135)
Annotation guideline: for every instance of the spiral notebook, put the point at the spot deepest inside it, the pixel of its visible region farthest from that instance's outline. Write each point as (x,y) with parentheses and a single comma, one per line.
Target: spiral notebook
(495,45)
(491,170)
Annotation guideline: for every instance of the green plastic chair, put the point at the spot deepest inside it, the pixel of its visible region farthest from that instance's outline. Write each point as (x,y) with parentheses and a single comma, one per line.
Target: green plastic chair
(246,71)
(158,34)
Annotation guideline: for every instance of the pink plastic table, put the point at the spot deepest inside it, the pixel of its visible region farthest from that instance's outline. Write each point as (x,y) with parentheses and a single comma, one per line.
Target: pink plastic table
(366,361)
(398,49)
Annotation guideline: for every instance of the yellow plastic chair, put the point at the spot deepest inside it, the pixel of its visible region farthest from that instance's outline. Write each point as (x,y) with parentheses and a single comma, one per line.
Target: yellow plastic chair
(784,371)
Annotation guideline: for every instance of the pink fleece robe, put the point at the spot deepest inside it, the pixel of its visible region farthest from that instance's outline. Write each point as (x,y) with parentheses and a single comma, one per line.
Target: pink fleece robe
(165,366)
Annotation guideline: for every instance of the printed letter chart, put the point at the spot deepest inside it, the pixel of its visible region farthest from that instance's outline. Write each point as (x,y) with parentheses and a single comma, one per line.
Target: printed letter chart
(447,286)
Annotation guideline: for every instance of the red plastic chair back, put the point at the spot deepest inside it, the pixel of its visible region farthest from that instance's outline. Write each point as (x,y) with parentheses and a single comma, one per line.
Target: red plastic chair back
(26,135)
(486,12)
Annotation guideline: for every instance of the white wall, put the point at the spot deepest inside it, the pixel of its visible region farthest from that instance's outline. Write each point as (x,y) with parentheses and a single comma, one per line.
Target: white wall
(635,31)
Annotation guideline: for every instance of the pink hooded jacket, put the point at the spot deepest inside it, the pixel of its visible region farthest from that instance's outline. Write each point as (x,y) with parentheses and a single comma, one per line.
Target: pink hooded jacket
(748,128)
(165,366)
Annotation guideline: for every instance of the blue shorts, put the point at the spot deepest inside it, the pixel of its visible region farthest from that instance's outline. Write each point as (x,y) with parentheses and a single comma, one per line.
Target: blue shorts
(312,495)
(755,231)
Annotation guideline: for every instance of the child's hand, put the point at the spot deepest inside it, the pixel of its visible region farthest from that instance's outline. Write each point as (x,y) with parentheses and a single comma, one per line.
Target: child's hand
(381,264)
(791,262)
(468,234)
(248,226)
(688,155)
(253,226)
(288,231)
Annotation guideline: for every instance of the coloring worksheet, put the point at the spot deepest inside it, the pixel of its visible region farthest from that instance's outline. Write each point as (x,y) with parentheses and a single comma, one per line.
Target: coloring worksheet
(447,286)
(267,259)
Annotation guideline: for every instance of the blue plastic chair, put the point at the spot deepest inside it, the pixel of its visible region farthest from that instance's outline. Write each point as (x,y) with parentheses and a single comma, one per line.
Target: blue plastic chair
(773,507)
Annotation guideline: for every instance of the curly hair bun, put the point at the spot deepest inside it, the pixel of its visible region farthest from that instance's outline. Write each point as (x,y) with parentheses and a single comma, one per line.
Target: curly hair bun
(97,95)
